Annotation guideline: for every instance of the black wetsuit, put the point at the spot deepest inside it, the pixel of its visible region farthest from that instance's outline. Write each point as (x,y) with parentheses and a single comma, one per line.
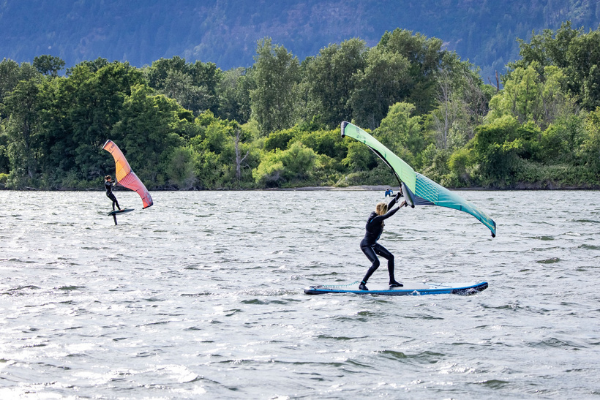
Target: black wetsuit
(108,186)
(369,244)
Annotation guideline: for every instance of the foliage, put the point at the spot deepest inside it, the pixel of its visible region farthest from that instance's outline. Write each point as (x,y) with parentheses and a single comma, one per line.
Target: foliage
(234,94)
(4,160)
(529,96)
(590,147)
(193,85)
(425,57)
(576,53)
(382,83)
(10,75)
(22,128)
(403,133)
(275,124)
(276,75)
(48,65)
(330,78)
(280,167)
(180,169)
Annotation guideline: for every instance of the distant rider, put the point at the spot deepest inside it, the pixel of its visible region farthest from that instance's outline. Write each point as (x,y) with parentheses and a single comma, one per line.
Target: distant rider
(108,185)
(369,244)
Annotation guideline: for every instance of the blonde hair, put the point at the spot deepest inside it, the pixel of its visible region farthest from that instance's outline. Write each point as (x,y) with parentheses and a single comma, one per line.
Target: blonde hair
(381,208)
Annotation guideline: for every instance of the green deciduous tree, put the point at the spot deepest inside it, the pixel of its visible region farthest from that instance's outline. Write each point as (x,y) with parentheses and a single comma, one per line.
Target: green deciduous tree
(10,75)
(558,144)
(425,57)
(285,166)
(590,146)
(359,157)
(330,79)
(499,145)
(234,95)
(382,83)
(48,65)
(95,109)
(23,129)
(575,52)
(325,142)
(4,160)
(193,85)
(181,168)
(276,74)
(150,129)
(531,97)
(403,133)
(225,154)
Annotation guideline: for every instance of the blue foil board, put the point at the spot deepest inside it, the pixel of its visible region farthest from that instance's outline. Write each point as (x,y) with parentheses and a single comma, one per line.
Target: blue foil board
(409,289)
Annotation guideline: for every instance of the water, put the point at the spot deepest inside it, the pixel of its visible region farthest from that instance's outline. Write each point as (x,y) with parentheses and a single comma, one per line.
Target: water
(201,296)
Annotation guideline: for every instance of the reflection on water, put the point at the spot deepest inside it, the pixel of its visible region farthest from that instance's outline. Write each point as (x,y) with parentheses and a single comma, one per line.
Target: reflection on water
(202,295)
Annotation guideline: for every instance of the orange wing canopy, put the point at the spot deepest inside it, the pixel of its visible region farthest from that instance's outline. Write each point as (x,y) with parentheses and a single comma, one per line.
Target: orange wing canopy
(125,176)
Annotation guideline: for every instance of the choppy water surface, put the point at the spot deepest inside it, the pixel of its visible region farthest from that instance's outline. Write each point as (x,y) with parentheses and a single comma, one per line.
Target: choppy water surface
(201,295)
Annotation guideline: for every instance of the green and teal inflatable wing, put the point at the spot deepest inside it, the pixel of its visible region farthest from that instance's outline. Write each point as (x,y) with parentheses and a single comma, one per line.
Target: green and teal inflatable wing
(418,189)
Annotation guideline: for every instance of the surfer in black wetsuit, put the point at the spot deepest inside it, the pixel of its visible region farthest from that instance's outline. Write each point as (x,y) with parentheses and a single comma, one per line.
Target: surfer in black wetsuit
(108,185)
(369,244)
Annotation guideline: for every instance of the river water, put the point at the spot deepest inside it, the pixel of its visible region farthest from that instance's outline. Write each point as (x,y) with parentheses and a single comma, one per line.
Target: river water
(201,296)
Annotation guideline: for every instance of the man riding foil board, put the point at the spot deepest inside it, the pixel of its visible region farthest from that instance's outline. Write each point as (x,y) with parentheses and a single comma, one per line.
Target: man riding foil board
(108,185)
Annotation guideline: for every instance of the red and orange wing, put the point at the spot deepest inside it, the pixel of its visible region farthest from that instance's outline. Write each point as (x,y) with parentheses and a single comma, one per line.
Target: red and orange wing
(125,176)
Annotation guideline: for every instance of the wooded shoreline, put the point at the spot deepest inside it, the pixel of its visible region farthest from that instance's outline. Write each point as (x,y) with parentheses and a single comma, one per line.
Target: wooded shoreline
(192,126)
(360,188)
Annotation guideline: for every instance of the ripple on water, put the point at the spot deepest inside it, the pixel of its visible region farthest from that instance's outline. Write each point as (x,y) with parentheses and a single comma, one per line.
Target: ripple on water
(551,260)
(589,247)
(493,383)
(202,295)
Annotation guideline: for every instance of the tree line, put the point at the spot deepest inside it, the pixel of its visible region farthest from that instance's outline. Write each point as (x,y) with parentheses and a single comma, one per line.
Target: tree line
(276,124)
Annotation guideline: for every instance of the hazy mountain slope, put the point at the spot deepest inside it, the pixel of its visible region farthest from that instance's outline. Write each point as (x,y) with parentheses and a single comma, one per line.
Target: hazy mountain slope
(226,31)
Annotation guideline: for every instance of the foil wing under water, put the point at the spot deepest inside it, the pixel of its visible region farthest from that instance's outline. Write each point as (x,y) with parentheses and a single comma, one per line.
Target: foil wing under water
(125,176)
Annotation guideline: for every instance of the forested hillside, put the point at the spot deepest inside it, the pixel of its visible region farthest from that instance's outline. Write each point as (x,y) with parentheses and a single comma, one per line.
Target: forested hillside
(225,32)
(185,125)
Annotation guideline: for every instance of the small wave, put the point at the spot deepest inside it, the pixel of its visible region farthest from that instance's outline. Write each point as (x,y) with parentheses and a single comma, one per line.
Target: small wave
(552,260)
(18,291)
(493,383)
(153,299)
(556,343)
(394,354)
(427,357)
(543,237)
(589,247)
(342,338)
(73,287)
(193,328)
(196,294)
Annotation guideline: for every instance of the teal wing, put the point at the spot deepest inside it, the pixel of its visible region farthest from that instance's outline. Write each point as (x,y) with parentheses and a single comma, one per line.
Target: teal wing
(403,171)
(418,189)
